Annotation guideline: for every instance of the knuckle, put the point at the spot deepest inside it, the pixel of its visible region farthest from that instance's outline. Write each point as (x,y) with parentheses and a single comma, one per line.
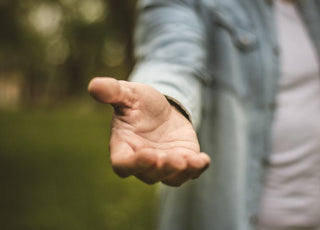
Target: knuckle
(117,163)
(121,167)
(168,169)
(146,160)
(177,163)
(176,180)
(120,172)
(196,163)
(145,179)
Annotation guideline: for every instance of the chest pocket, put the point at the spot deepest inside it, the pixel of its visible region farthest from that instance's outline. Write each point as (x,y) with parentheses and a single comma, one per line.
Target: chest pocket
(231,16)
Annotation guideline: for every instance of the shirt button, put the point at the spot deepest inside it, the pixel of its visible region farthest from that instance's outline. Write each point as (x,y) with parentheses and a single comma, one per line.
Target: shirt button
(276,50)
(245,41)
(254,220)
(269,2)
(265,162)
(272,105)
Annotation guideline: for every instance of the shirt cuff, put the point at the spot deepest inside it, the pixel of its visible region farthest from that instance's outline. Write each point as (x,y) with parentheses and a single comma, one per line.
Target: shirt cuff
(176,83)
(178,106)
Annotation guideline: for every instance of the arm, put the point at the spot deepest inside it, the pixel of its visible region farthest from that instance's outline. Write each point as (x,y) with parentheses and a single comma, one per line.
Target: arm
(170,52)
(150,138)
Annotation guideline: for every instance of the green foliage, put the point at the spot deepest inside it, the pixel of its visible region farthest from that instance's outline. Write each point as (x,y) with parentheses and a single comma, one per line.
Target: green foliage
(54,167)
(56,46)
(55,174)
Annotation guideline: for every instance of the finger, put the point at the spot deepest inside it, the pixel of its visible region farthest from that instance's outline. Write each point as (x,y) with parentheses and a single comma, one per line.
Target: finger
(111,91)
(177,179)
(122,158)
(200,163)
(125,162)
(197,164)
(166,165)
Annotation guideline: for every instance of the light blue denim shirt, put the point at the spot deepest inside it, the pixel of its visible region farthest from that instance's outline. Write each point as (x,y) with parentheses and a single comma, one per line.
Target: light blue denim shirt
(219,59)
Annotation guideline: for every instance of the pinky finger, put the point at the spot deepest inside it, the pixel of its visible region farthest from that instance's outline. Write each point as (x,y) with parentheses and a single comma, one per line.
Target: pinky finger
(205,164)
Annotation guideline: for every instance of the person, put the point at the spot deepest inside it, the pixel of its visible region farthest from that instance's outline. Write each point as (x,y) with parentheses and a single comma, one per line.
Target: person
(208,70)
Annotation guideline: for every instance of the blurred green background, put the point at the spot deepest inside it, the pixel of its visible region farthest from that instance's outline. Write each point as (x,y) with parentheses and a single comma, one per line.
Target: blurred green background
(54,165)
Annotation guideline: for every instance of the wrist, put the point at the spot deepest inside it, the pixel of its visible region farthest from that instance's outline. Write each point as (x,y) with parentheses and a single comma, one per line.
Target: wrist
(178,107)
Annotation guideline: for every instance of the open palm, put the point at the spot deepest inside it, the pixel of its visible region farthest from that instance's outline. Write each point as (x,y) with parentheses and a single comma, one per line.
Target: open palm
(150,139)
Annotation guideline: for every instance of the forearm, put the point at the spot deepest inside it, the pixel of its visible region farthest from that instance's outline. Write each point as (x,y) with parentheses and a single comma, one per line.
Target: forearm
(169,48)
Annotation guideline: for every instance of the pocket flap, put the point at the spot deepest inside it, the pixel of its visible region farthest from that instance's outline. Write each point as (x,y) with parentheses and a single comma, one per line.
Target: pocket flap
(240,30)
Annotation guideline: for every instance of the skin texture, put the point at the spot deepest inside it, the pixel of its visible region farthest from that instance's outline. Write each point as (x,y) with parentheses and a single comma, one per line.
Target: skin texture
(150,139)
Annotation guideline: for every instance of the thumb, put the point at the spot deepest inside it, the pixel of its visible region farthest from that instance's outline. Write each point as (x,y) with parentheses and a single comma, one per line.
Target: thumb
(110,91)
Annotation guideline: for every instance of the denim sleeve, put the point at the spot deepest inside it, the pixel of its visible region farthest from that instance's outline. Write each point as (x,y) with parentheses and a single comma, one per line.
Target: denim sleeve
(170,53)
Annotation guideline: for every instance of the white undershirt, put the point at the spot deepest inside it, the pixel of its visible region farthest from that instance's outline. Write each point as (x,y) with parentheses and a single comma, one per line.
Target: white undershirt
(292,193)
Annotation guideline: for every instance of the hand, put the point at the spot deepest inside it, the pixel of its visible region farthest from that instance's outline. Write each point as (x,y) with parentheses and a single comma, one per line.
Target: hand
(150,139)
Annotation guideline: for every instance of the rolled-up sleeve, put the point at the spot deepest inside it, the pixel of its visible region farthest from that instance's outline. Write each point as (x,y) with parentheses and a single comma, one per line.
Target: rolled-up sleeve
(170,52)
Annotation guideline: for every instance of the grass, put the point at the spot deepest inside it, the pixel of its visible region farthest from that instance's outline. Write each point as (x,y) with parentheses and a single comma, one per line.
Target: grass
(55,174)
